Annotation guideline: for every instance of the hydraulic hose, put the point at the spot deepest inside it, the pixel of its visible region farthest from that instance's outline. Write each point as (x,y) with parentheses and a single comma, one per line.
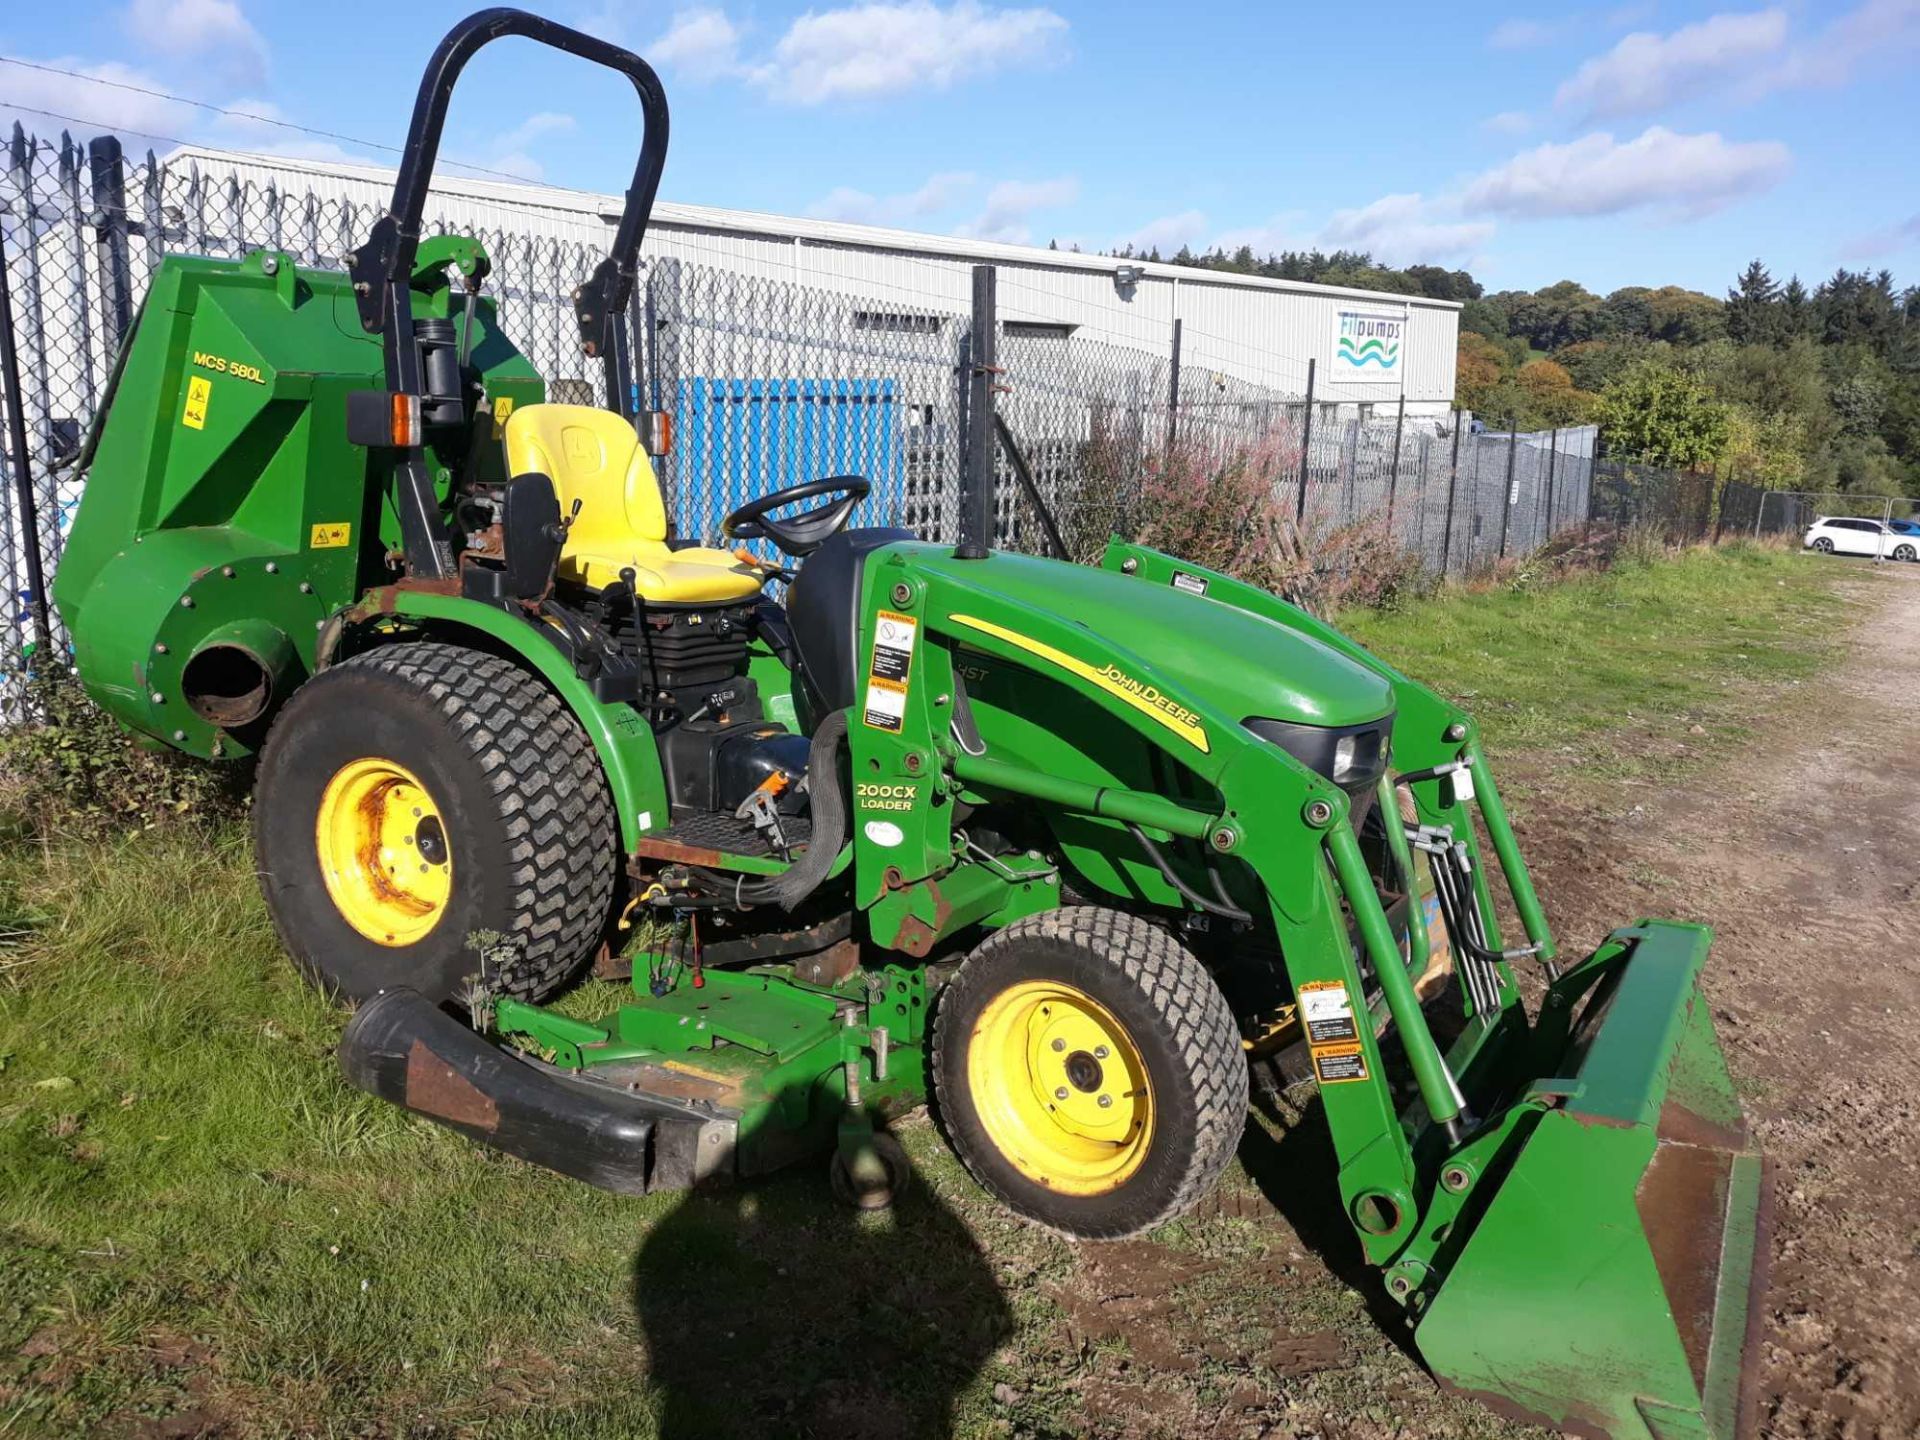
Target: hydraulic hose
(828,803)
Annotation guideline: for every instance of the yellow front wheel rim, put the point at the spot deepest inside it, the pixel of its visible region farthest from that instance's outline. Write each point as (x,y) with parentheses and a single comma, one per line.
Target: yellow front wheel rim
(1060,1088)
(384,852)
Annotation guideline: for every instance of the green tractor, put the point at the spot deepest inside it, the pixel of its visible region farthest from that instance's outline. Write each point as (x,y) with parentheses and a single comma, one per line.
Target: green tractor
(1065,850)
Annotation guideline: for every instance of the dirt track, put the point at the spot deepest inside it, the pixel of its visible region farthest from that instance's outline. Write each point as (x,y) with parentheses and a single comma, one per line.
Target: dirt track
(1804,853)
(1801,846)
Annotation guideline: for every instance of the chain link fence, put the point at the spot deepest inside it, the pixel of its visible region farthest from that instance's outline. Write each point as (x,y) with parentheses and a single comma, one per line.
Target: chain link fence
(770,382)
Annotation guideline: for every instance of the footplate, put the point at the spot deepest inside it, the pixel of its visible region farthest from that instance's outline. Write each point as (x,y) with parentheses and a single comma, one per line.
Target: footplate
(407,1050)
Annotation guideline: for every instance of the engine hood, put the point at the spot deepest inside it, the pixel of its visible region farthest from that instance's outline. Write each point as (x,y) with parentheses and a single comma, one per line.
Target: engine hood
(1243,664)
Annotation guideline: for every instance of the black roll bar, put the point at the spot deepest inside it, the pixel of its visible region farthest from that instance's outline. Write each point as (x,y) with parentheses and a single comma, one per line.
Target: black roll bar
(382,268)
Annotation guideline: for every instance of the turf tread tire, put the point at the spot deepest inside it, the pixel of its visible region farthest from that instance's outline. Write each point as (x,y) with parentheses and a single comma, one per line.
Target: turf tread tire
(529,756)
(1207,1099)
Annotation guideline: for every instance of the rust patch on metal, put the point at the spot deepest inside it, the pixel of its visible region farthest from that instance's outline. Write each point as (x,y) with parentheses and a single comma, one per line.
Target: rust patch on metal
(914,936)
(1682,1202)
(1682,1126)
(435,1088)
(381,600)
(448,585)
(674,851)
(1586,1427)
(609,966)
(829,966)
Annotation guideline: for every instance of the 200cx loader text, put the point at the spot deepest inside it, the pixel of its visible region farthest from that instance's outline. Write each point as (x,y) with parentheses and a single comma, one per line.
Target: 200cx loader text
(1064,848)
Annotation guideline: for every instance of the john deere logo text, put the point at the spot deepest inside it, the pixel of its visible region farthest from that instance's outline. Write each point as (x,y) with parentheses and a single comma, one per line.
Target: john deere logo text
(875,796)
(1148,694)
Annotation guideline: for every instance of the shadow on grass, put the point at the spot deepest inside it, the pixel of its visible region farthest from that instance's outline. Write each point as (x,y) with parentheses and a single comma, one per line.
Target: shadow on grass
(772,1310)
(1295,1171)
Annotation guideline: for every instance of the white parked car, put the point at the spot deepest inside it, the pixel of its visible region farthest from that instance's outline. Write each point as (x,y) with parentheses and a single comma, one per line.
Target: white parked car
(1846,535)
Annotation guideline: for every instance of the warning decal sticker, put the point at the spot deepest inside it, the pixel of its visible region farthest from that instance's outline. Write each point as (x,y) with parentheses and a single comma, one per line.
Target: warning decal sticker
(1333,1064)
(331,537)
(886,705)
(1192,584)
(1327,1011)
(890,671)
(199,391)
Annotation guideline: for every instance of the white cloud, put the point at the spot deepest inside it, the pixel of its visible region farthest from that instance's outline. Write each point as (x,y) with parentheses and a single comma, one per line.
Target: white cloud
(1647,71)
(703,44)
(1168,233)
(1526,33)
(1523,34)
(940,192)
(1683,175)
(510,151)
(1888,241)
(1877,31)
(865,51)
(93,102)
(252,127)
(1280,233)
(215,32)
(1011,205)
(861,51)
(1508,122)
(1406,230)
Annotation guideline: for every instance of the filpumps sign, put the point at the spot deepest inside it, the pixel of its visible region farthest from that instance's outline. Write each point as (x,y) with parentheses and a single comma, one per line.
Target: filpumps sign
(1367,346)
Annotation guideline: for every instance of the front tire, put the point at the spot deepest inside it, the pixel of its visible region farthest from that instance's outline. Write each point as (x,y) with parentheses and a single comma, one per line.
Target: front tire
(1904,552)
(1089,1072)
(430,816)
(1823,545)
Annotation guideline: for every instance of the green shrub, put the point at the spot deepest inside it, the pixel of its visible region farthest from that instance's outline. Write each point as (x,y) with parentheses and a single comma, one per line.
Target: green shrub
(71,768)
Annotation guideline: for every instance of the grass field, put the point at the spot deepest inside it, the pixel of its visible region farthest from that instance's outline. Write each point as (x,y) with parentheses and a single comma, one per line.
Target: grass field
(203,1231)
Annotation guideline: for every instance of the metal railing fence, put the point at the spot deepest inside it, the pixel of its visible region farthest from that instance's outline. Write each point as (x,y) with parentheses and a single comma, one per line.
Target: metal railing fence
(771,382)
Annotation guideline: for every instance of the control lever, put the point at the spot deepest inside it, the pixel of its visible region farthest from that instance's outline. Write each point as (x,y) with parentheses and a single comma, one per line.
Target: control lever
(761,809)
(559,532)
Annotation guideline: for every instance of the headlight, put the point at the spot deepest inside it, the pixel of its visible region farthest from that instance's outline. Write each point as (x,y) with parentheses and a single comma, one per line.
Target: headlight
(1352,756)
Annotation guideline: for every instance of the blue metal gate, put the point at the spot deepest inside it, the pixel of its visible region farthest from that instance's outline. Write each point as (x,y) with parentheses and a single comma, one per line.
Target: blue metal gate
(738,439)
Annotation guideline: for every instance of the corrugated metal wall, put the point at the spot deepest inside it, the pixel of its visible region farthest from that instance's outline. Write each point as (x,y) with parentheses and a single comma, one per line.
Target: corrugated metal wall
(1259,331)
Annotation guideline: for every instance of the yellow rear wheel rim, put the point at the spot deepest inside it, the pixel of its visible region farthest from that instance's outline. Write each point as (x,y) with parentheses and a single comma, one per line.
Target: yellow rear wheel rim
(1060,1088)
(384,852)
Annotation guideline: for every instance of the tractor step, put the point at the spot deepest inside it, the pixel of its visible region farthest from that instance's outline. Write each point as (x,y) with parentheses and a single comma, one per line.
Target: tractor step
(636,1135)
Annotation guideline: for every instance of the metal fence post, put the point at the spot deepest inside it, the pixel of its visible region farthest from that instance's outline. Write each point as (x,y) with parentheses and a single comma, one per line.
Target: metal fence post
(109,220)
(10,392)
(1393,475)
(1453,486)
(1553,457)
(1506,505)
(1173,391)
(976,471)
(1306,447)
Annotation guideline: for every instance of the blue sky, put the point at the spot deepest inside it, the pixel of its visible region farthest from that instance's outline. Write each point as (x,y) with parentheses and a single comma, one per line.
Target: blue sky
(1638,143)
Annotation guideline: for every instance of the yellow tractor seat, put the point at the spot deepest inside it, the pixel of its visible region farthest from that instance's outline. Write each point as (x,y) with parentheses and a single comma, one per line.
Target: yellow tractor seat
(594,457)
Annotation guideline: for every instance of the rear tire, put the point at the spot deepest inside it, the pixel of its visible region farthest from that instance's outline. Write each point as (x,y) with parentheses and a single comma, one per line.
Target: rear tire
(426,752)
(1119,1009)
(1904,552)
(1823,545)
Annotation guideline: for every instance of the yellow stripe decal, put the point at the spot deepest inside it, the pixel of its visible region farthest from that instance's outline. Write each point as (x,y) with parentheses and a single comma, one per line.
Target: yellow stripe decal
(1142,697)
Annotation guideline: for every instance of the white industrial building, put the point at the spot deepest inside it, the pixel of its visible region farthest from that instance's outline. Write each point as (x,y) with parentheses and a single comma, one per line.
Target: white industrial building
(1258,330)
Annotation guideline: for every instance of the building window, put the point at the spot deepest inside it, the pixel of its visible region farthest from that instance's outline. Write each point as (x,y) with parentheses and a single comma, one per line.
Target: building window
(896,322)
(1038,330)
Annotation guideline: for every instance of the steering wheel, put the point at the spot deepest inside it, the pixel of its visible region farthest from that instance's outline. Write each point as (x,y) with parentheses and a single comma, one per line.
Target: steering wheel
(800,534)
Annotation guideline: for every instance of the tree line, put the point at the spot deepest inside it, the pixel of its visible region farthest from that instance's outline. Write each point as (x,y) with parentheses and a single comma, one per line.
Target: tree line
(1776,383)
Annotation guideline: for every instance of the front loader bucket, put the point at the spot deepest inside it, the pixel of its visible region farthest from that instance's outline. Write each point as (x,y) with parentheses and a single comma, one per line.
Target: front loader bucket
(1611,1283)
